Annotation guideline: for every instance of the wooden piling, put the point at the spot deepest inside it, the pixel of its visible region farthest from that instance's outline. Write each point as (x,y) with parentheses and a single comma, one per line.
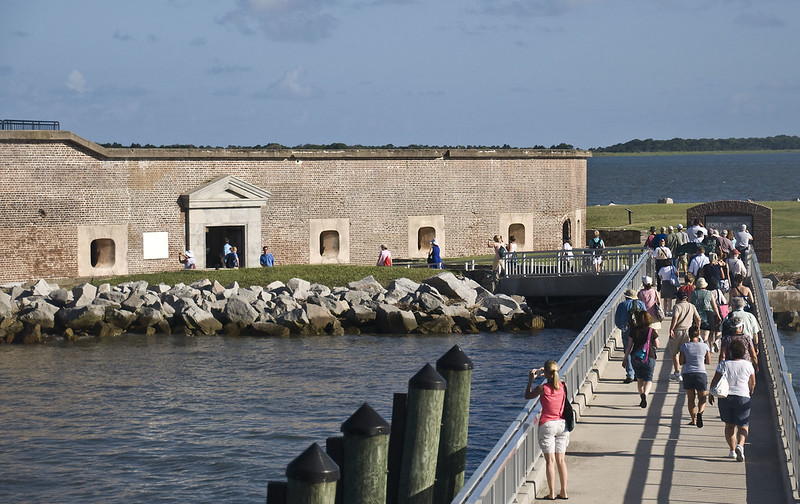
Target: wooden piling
(366,454)
(456,368)
(312,478)
(426,392)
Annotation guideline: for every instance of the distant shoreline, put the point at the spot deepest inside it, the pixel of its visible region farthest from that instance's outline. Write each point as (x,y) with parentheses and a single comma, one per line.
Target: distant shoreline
(684,153)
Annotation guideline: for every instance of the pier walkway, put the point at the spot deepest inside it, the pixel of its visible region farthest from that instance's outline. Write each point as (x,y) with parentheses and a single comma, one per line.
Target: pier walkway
(621,453)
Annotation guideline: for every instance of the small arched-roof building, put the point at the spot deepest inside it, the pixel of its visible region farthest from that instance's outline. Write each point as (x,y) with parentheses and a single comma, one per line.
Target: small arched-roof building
(72,208)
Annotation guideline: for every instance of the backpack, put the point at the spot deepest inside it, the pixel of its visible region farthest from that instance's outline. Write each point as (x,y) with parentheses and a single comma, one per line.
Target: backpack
(502,251)
(596,243)
(634,311)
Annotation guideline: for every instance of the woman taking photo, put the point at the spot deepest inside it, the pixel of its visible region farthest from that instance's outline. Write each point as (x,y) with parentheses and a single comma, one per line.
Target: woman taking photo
(553,433)
(642,345)
(734,410)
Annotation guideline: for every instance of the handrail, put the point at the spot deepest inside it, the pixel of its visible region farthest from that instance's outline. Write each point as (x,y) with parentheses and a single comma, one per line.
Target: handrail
(785,398)
(14,124)
(505,468)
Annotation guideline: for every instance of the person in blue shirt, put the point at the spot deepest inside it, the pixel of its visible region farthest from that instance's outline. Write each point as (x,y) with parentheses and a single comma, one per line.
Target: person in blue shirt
(622,319)
(435,255)
(267,260)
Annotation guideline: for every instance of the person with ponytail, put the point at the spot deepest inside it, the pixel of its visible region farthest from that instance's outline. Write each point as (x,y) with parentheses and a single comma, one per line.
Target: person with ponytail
(553,434)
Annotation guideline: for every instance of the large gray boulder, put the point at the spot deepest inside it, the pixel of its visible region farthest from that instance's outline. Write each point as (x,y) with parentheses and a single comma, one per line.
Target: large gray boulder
(238,311)
(319,317)
(399,288)
(84,294)
(60,297)
(84,318)
(360,315)
(7,305)
(201,320)
(392,320)
(40,313)
(296,320)
(449,285)
(42,288)
(367,284)
(270,329)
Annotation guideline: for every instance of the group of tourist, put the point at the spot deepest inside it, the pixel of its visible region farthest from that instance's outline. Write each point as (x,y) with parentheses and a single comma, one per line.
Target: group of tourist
(710,313)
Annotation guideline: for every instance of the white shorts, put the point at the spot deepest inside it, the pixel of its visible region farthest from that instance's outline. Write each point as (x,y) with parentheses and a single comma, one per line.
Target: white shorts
(553,436)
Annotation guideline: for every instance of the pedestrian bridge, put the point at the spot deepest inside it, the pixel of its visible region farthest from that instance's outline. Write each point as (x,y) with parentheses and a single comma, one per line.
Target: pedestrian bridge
(619,452)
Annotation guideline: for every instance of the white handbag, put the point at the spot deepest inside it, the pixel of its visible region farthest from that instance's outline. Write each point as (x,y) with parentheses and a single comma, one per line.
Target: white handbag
(721,388)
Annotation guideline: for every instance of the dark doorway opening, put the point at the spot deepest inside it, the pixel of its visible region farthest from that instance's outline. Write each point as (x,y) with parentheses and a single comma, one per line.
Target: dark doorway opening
(215,241)
(566,231)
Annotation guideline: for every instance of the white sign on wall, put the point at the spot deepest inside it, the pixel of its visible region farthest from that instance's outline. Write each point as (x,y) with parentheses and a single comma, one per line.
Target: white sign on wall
(155,245)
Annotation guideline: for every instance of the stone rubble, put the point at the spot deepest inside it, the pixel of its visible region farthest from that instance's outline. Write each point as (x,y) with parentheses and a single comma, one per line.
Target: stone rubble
(440,305)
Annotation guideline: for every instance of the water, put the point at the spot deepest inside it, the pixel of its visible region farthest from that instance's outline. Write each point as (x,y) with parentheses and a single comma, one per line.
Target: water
(634,180)
(213,419)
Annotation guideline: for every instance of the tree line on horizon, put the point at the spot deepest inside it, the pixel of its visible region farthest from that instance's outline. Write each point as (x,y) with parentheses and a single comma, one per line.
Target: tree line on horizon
(780,142)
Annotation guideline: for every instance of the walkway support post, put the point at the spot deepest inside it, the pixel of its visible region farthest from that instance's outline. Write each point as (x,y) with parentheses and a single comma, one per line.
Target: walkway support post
(421,443)
(312,478)
(365,457)
(456,368)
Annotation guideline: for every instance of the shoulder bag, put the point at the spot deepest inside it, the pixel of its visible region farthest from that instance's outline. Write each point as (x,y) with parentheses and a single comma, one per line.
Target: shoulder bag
(721,388)
(567,413)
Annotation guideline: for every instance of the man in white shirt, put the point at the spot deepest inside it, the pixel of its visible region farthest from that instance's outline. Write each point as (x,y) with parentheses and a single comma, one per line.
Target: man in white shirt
(743,239)
(694,228)
(698,261)
(735,264)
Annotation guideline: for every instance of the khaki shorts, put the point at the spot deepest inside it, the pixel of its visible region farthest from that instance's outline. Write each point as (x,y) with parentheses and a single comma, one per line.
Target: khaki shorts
(681,337)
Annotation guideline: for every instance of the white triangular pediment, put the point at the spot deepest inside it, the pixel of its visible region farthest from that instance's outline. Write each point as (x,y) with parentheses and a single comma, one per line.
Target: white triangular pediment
(226,190)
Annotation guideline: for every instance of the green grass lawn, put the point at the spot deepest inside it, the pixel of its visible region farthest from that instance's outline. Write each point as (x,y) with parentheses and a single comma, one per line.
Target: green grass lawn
(785,226)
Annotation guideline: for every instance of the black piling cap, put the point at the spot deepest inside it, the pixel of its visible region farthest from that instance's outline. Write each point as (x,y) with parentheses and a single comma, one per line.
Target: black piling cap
(454,360)
(427,379)
(365,422)
(313,466)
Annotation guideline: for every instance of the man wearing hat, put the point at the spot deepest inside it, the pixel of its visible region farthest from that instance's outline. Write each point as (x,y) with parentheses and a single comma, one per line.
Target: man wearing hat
(749,321)
(684,316)
(735,264)
(622,319)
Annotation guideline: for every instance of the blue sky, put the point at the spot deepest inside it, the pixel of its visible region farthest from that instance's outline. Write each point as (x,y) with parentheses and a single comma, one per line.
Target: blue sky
(434,72)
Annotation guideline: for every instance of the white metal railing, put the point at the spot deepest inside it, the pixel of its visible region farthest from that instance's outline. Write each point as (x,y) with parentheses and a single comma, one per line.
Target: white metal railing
(787,406)
(505,468)
(580,262)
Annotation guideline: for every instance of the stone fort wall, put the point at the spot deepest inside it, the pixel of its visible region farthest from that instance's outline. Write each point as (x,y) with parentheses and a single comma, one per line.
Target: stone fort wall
(59,190)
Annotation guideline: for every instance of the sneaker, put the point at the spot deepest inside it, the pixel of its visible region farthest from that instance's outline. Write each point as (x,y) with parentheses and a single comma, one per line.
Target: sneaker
(739,453)
(699,420)
(674,376)
(627,380)
(732,455)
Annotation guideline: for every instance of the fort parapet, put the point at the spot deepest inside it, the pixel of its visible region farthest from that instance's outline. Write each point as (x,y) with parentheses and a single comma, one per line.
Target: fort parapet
(72,208)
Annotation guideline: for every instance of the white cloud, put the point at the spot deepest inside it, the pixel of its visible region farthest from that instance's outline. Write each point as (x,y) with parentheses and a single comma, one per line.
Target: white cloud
(292,20)
(291,85)
(77,82)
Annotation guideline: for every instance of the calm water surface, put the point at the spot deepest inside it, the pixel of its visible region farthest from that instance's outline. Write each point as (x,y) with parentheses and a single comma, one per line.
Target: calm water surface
(213,419)
(692,178)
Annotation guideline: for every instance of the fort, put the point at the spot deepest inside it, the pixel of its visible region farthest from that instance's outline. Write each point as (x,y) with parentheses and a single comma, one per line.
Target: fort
(72,208)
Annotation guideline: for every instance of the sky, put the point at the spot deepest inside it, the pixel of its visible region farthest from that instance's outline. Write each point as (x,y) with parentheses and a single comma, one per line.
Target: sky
(589,73)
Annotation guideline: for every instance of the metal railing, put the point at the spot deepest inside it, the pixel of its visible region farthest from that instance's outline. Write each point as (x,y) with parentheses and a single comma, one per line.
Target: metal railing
(14,124)
(579,262)
(788,409)
(507,465)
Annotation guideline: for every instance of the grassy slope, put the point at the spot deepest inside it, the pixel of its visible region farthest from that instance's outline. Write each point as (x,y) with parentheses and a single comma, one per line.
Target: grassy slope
(785,226)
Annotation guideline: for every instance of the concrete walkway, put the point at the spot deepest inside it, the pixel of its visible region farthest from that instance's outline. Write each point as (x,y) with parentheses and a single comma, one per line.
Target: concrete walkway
(620,452)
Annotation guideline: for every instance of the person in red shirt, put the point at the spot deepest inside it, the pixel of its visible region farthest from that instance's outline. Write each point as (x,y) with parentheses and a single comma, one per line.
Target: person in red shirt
(553,433)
